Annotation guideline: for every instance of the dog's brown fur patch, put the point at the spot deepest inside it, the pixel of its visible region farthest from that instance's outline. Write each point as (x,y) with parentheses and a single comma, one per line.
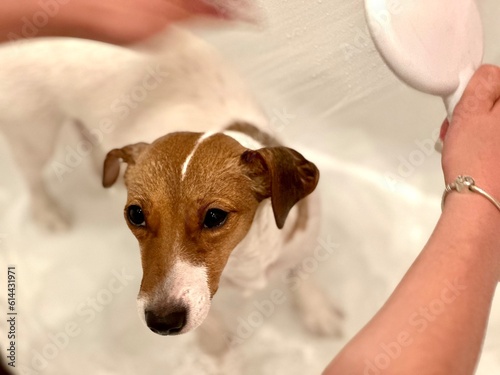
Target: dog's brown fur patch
(220,174)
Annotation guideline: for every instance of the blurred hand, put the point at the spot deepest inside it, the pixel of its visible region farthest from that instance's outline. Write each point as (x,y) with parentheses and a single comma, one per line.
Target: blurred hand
(472,140)
(125,21)
(113,21)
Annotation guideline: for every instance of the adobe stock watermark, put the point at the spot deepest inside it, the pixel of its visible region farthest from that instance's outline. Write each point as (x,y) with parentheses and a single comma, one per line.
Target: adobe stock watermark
(410,163)
(120,109)
(470,104)
(418,322)
(85,312)
(362,37)
(280,119)
(265,308)
(31,26)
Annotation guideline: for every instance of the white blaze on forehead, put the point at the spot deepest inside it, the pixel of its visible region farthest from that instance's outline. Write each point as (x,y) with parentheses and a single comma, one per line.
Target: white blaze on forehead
(188,159)
(244,139)
(185,285)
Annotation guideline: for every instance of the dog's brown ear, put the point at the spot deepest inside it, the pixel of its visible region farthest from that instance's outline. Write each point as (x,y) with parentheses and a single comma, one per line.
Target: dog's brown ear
(127,154)
(282,174)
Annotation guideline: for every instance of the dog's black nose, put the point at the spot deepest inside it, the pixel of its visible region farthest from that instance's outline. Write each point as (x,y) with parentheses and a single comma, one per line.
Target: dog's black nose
(170,323)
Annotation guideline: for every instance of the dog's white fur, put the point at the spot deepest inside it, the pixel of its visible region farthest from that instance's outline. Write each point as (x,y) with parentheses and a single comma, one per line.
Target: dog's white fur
(187,285)
(143,93)
(184,86)
(188,159)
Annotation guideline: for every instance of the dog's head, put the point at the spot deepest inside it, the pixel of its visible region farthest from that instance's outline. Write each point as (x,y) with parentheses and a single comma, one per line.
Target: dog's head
(191,199)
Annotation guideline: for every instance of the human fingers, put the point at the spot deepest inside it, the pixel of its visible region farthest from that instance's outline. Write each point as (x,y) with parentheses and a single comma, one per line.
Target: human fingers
(444,129)
(223,9)
(483,91)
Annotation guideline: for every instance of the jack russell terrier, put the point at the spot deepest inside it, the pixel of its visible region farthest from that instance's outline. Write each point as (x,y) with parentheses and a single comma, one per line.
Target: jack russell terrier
(223,202)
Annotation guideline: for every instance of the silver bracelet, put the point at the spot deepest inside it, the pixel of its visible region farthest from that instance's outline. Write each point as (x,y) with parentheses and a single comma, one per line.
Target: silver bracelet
(465,184)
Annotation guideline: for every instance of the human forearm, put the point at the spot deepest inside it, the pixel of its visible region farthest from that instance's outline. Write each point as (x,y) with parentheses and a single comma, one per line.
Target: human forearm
(34,18)
(113,21)
(11,17)
(446,294)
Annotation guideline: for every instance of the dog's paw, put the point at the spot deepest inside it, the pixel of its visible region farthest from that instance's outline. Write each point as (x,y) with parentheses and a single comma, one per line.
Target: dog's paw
(317,312)
(50,216)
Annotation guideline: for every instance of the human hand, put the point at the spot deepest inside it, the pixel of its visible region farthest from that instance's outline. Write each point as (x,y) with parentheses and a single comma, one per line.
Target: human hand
(125,21)
(472,141)
(112,21)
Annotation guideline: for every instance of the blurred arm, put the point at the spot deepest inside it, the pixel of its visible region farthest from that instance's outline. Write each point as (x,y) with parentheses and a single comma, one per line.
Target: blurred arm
(113,21)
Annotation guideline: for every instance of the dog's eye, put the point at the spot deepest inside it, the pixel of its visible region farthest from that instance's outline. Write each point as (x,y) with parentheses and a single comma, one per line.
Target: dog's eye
(214,218)
(136,216)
